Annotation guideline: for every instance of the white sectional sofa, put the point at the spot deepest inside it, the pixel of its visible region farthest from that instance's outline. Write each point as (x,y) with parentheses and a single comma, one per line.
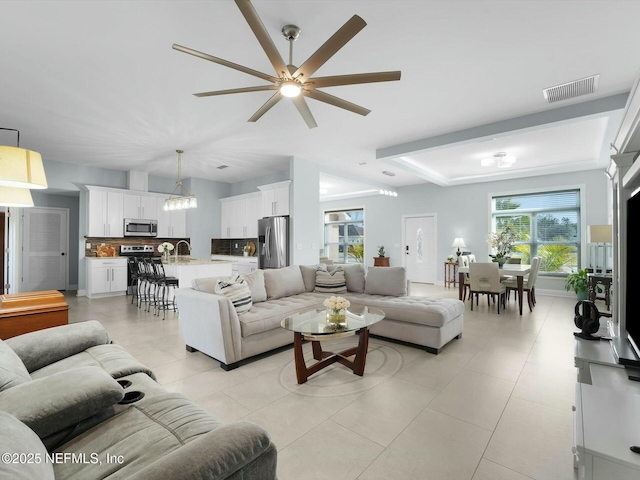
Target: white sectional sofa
(210,324)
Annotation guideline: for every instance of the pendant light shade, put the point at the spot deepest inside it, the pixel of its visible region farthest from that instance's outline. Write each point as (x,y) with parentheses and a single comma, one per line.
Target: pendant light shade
(21,168)
(15,197)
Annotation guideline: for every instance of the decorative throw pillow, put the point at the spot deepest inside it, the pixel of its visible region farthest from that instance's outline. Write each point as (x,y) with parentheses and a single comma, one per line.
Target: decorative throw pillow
(236,290)
(283,282)
(255,280)
(331,282)
(386,281)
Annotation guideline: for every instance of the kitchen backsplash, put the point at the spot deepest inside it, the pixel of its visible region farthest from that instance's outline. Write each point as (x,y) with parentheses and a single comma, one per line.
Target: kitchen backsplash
(116,242)
(231,246)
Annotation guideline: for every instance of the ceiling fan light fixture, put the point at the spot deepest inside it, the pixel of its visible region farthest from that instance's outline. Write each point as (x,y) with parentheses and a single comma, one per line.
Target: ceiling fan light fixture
(290,89)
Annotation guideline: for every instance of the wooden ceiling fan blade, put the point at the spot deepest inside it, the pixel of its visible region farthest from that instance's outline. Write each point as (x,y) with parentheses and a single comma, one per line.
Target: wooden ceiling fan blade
(266,107)
(354,79)
(225,63)
(330,47)
(256,25)
(236,90)
(335,101)
(303,108)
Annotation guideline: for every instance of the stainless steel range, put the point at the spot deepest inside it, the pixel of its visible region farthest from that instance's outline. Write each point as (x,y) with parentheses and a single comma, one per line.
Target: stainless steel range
(134,251)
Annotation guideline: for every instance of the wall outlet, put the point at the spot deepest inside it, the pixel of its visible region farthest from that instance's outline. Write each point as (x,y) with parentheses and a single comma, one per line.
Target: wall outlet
(236,245)
(102,244)
(88,246)
(314,246)
(300,246)
(397,245)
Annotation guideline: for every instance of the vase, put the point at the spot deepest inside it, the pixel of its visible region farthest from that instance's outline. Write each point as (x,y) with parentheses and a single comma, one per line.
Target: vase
(500,261)
(336,316)
(165,256)
(245,254)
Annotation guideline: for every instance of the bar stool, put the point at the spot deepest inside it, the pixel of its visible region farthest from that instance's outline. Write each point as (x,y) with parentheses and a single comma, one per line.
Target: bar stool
(162,284)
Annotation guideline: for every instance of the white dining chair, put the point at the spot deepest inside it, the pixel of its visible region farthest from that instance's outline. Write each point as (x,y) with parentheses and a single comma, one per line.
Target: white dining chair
(529,283)
(484,278)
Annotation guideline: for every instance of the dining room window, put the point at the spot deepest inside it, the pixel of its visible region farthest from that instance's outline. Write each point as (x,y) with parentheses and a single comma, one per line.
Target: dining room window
(546,224)
(344,235)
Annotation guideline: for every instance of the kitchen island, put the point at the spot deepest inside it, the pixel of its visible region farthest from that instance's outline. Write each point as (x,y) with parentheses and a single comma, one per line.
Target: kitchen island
(185,269)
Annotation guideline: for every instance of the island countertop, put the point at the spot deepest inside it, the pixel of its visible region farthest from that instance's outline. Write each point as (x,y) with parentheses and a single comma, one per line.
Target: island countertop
(187,260)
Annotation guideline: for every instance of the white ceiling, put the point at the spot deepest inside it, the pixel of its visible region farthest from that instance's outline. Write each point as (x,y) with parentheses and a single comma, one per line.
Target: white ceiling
(97,83)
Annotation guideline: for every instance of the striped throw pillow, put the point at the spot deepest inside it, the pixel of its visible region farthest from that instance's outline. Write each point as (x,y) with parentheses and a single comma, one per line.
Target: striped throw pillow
(236,289)
(331,282)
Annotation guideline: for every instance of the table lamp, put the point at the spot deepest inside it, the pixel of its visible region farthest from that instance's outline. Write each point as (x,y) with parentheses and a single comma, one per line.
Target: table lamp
(601,235)
(458,242)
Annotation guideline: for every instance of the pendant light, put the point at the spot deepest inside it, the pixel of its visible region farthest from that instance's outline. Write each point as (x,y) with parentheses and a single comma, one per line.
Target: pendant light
(175,200)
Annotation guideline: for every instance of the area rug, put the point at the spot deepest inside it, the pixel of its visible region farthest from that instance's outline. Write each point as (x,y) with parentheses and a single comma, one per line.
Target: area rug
(383,361)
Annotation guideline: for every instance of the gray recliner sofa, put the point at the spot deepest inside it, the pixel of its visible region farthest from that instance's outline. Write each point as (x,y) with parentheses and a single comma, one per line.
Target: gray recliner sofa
(65,413)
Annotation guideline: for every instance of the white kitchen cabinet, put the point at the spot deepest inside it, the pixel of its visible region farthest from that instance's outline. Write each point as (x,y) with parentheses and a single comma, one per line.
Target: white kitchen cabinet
(105,213)
(106,277)
(171,223)
(239,216)
(275,199)
(140,207)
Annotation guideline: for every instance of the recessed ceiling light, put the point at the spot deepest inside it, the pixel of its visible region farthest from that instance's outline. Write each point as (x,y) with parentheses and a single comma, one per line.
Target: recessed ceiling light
(388,173)
(222,167)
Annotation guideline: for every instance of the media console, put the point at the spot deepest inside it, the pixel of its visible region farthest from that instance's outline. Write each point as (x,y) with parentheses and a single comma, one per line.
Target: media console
(606,415)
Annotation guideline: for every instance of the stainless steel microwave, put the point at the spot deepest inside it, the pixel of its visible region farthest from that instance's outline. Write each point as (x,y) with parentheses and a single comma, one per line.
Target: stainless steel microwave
(140,228)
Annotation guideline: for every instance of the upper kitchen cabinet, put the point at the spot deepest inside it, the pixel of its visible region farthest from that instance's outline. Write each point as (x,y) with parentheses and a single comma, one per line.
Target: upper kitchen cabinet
(140,207)
(275,199)
(239,216)
(105,213)
(172,223)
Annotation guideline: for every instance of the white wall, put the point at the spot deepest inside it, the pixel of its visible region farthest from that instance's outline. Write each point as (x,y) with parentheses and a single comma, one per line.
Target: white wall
(463,211)
(305,230)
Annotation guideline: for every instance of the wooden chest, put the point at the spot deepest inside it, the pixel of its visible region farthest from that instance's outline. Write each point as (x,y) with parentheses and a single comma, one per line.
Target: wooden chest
(29,311)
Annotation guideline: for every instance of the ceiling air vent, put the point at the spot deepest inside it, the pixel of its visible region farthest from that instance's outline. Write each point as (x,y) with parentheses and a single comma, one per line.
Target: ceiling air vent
(571,89)
(222,167)
(388,173)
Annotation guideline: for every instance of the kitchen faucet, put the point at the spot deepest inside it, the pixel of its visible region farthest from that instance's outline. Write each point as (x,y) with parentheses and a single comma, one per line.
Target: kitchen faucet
(178,244)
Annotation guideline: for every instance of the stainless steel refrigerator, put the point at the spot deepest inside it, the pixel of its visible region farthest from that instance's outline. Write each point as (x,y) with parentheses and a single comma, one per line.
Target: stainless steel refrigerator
(273,242)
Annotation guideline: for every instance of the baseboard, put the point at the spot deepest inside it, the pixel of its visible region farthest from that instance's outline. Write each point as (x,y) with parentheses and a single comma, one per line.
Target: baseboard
(73,287)
(81,293)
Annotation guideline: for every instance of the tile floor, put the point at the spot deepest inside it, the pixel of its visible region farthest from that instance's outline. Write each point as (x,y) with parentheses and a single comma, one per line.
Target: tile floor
(494,405)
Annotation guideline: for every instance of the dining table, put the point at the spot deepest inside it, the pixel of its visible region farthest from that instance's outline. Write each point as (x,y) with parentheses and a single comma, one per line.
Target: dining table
(513,269)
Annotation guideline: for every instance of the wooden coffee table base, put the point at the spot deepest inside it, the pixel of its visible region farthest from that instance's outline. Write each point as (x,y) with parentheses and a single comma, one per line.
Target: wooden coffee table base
(328,358)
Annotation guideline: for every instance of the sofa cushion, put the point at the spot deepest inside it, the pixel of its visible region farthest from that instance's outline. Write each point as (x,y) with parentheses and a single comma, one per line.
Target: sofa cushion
(354,273)
(255,280)
(283,282)
(386,281)
(331,282)
(430,311)
(309,276)
(18,439)
(142,434)
(236,290)
(12,370)
(268,315)
(112,358)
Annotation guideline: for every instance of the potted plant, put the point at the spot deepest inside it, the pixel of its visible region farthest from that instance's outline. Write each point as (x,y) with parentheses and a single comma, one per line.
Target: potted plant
(245,250)
(381,260)
(578,282)
(502,243)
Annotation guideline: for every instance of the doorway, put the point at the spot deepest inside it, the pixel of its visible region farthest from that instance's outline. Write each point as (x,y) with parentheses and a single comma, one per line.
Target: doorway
(420,248)
(45,247)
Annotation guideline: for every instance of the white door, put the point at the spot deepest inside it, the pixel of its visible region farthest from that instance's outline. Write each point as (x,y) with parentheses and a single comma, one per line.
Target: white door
(420,248)
(45,246)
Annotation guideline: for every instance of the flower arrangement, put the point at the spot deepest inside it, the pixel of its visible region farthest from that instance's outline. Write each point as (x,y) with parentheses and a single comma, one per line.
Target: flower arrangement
(246,248)
(165,248)
(335,308)
(502,243)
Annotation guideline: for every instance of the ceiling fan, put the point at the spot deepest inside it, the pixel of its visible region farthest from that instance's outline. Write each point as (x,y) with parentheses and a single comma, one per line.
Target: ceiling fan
(296,82)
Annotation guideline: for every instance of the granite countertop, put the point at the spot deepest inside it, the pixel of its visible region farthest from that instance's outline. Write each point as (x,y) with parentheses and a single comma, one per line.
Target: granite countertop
(187,260)
(104,258)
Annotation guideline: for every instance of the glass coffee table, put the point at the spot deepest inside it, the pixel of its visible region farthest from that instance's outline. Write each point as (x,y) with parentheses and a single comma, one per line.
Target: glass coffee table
(311,324)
